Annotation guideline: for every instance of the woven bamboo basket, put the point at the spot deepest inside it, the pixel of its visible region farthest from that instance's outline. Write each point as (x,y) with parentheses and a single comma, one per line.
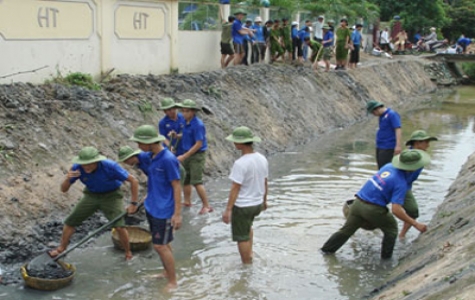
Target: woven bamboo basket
(346,211)
(139,238)
(48,284)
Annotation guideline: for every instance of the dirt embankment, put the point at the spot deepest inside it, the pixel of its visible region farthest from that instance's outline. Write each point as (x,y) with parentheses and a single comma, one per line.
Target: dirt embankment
(43,127)
(441,264)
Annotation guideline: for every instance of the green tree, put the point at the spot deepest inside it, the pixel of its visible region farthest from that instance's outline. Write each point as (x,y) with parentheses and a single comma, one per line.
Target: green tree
(415,14)
(462,14)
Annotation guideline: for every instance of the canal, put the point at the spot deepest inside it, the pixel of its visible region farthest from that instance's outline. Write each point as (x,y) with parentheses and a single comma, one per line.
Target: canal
(308,186)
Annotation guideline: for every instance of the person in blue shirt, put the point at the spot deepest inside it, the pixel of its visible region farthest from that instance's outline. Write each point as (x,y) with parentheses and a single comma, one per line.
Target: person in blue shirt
(328,41)
(388,186)
(419,140)
(195,144)
(238,32)
(302,34)
(305,33)
(388,136)
(259,41)
(163,201)
(102,179)
(356,41)
(417,37)
(248,39)
(462,43)
(296,42)
(135,158)
(171,125)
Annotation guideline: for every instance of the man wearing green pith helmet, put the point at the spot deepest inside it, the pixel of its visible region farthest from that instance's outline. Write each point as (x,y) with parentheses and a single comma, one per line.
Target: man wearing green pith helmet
(193,158)
(102,179)
(163,201)
(388,136)
(419,140)
(388,186)
(248,195)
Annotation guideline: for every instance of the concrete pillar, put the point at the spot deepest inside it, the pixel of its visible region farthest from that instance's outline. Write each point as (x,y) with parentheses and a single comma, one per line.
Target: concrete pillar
(224,11)
(296,17)
(264,12)
(173,35)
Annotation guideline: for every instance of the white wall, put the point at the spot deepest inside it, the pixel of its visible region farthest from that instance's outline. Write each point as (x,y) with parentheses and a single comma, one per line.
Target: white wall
(198,51)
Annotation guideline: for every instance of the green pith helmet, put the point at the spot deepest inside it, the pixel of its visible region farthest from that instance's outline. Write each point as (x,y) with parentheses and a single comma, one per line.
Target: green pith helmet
(167,103)
(147,134)
(372,105)
(127,152)
(411,160)
(242,135)
(88,155)
(188,103)
(331,21)
(420,135)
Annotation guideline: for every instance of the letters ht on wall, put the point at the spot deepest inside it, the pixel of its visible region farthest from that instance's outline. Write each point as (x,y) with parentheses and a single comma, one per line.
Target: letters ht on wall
(140,20)
(44,14)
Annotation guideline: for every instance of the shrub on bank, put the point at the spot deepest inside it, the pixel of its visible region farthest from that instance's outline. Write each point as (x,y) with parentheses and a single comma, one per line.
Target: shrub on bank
(469,69)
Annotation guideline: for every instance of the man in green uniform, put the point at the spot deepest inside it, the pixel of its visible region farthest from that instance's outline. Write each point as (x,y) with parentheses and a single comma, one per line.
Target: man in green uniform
(316,53)
(286,39)
(342,44)
(227,52)
(276,49)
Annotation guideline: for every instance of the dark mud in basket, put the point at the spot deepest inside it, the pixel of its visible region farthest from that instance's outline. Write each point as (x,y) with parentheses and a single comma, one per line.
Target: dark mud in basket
(51,271)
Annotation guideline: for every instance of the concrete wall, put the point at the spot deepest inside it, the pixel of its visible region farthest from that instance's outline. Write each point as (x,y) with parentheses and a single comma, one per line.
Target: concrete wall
(41,39)
(198,51)
(89,36)
(47,35)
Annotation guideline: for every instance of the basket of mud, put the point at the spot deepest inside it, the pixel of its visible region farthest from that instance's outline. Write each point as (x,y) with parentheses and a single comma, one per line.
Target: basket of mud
(346,211)
(139,238)
(52,280)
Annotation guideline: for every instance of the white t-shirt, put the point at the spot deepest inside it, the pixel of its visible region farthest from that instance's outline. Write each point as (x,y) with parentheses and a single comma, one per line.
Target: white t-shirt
(250,171)
(384,37)
(318,31)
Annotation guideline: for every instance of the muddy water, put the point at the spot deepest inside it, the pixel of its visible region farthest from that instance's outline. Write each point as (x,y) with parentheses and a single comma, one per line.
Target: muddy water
(307,188)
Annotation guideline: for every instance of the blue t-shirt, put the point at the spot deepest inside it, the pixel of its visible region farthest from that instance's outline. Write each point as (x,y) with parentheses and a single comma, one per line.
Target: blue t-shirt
(464,41)
(386,135)
(295,33)
(237,37)
(166,125)
(259,33)
(303,34)
(413,177)
(145,159)
(417,37)
(356,37)
(389,185)
(160,201)
(108,176)
(193,132)
(328,36)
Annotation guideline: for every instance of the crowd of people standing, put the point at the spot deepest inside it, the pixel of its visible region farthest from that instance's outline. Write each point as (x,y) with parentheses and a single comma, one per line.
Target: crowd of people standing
(285,41)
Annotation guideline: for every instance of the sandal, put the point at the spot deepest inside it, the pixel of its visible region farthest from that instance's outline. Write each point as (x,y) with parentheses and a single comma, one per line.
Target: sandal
(187,204)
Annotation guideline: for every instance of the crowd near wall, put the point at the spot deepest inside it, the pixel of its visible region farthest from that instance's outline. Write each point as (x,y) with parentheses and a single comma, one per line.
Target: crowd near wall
(41,39)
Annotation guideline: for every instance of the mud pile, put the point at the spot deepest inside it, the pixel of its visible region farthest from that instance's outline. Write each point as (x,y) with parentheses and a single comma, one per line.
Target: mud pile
(43,127)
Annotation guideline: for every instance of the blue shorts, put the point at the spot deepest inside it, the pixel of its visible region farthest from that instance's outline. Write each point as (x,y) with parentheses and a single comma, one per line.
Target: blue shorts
(161,229)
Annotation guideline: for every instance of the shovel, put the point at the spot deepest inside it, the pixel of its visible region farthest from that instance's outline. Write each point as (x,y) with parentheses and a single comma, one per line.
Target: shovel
(44,260)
